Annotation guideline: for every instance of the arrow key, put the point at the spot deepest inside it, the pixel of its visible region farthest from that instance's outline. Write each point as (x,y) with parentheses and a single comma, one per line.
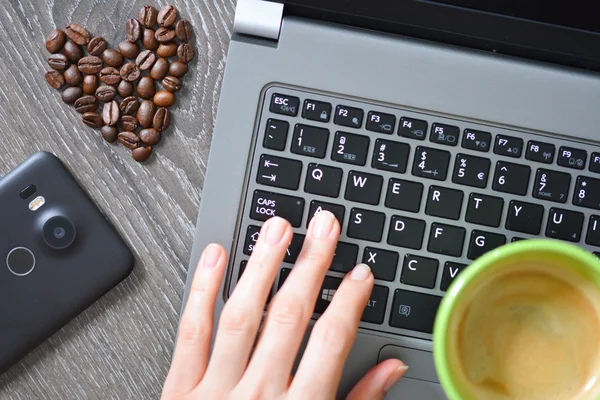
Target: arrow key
(451,271)
(279,172)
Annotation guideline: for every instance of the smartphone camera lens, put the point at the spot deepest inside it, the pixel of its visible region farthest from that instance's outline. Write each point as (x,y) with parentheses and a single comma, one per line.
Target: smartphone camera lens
(59,233)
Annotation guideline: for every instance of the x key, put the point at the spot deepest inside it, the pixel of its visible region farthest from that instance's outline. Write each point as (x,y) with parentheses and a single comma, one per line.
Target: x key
(383,263)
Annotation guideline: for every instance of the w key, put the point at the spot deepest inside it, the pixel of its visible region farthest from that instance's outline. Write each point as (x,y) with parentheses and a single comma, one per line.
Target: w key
(363,188)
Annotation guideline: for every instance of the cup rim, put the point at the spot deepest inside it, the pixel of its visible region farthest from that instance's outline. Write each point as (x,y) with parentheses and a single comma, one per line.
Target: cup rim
(467,276)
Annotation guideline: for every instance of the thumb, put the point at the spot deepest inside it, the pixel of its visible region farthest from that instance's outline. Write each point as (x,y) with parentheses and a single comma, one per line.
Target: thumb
(378,380)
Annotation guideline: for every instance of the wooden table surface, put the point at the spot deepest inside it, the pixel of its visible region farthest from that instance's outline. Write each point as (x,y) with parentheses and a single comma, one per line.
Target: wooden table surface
(120,348)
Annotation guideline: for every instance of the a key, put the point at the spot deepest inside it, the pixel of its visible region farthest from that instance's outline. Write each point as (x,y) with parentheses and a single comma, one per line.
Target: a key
(431,163)
(348,116)
(564,225)
(292,252)
(383,263)
(443,202)
(404,195)
(540,152)
(390,156)
(587,193)
(419,271)
(323,180)
(524,217)
(344,258)
(279,172)
(451,271)
(363,188)
(446,239)
(471,171)
(511,178)
(414,311)
(508,146)
(571,157)
(318,206)
(276,134)
(267,204)
(310,141)
(551,185)
(413,128)
(477,140)
(484,210)
(481,242)
(366,225)
(593,232)
(381,122)
(444,134)
(316,110)
(406,232)
(595,162)
(350,148)
(284,104)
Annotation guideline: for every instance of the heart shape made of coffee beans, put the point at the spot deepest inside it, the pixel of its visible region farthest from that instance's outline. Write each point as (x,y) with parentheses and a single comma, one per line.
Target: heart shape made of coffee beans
(115,90)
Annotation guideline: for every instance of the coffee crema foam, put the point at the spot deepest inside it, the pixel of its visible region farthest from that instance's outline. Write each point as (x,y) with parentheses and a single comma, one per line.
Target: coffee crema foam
(532,332)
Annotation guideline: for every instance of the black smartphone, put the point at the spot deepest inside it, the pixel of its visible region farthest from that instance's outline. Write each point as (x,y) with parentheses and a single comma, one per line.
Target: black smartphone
(58,254)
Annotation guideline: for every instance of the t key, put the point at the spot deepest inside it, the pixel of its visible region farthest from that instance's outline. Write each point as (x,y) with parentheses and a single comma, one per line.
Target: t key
(511,178)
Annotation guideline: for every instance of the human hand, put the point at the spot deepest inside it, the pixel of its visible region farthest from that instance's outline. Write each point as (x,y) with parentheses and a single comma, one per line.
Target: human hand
(242,367)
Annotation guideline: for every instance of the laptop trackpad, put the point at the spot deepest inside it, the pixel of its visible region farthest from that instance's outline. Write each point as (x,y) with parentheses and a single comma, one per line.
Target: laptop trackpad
(409,388)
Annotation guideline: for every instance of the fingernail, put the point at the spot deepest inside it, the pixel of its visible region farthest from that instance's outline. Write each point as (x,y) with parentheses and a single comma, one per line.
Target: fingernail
(275,230)
(360,273)
(211,256)
(394,377)
(323,224)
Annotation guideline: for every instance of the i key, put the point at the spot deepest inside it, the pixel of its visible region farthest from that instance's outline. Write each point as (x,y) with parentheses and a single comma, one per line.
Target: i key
(551,185)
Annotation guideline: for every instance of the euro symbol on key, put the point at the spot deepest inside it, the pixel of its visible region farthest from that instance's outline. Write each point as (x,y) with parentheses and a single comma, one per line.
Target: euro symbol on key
(317,174)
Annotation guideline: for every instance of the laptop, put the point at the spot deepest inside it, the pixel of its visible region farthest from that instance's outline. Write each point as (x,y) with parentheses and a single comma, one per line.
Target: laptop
(435,130)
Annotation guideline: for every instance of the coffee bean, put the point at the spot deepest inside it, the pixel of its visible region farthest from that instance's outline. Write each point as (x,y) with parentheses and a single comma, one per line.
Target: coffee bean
(130,72)
(90,84)
(90,64)
(110,75)
(164,98)
(150,136)
(178,69)
(106,93)
(145,60)
(109,133)
(147,16)
(167,16)
(111,113)
(129,140)
(162,119)
(125,89)
(146,87)
(141,154)
(166,50)
(58,62)
(172,84)
(70,94)
(96,46)
(129,105)
(183,30)
(133,30)
(112,58)
(92,119)
(72,76)
(55,41)
(128,49)
(78,34)
(185,52)
(164,35)
(149,40)
(72,51)
(128,123)
(55,79)
(145,113)
(159,69)
(86,103)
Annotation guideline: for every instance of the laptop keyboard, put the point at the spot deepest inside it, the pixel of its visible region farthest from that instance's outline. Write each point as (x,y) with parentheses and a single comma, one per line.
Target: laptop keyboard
(419,196)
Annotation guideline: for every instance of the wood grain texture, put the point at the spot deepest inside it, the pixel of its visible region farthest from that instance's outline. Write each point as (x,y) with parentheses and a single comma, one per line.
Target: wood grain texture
(121,347)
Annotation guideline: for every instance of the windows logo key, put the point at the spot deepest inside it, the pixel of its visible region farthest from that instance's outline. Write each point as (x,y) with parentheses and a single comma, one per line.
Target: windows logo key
(327,294)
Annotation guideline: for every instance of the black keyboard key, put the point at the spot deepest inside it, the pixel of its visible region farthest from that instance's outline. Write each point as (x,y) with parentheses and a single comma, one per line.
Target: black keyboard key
(276,134)
(317,206)
(406,232)
(443,202)
(390,156)
(431,163)
(242,269)
(597,254)
(252,234)
(366,225)
(471,171)
(413,128)
(279,172)
(316,110)
(451,271)
(267,204)
(595,162)
(404,195)
(419,271)
(517,239)
(350,148)
(444,134)
(564,225)
(381,122)
(446,239)
(383,263)
(593,232)
(344,258)
(328,289)
(291,254)
(587,193)
(310,141)
(484,210)
(284,104)
(414,311)
(524,217)
(375,310)
(323,180)
(540,152)
(511,178)
(508,146)
(363,188)
(572,158)
(477,140)
(349,116)
(551,185)
(481,242)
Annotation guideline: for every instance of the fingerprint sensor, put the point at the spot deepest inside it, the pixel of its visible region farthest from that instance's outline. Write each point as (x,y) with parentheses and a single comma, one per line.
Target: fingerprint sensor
(20,261)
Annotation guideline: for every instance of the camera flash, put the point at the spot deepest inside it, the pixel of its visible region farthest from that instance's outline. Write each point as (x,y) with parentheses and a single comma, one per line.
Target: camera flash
(37,203)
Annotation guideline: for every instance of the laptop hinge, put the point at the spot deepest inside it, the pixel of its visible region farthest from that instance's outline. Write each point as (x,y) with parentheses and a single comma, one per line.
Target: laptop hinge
(258,18)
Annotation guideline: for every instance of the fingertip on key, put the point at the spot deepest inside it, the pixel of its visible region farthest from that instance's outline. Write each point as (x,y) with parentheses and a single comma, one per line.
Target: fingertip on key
(323,224)
(276,228)
(360,273)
